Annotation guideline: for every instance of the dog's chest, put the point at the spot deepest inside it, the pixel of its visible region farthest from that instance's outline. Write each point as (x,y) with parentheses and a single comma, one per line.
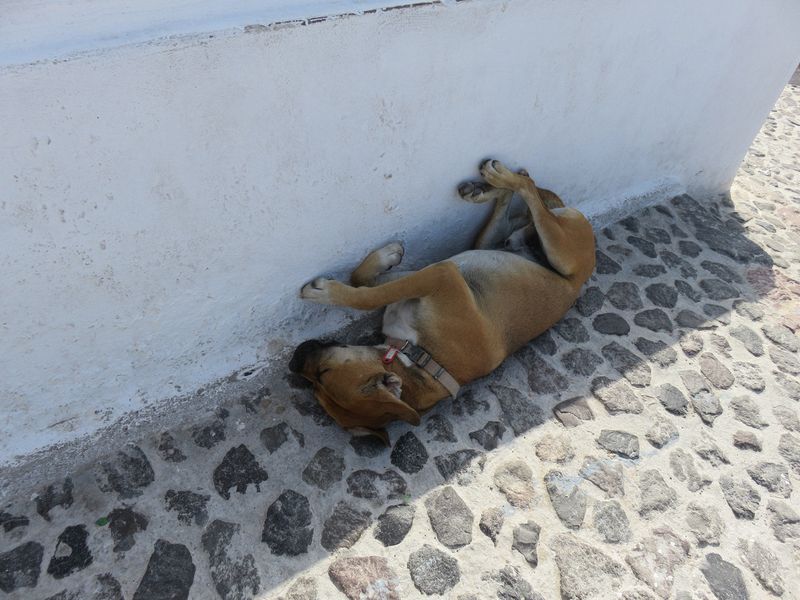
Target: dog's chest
(399,320)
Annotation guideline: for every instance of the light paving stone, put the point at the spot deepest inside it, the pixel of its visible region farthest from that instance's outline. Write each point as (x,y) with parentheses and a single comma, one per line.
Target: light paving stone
(491,523)
(746,440)
(554,448)
(764,564)
(573,412)
(684,469)
(630,366)
(450,517)
(526,540)
(585,571)
(655,559)
(724,578)
(661,432)
(360,577)
(616,396)
(747,411)
(784,520)
(567,497)
(394,524)
(717,373)
(749,376)
(705,524)
(772,476)
(655,495)
(605,473)
(619,442)
(611,522)
(740,496)
(515,480)
(433,571)
(787,417)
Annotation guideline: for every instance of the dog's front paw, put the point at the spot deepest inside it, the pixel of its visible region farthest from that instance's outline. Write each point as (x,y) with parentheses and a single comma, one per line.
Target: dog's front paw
(318,290)
(390,255)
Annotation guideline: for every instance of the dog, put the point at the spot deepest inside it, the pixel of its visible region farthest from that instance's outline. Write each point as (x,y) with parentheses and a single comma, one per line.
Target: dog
(455,320)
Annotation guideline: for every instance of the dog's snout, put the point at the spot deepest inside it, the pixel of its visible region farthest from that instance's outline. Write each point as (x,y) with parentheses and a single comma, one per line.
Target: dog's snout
(304,351)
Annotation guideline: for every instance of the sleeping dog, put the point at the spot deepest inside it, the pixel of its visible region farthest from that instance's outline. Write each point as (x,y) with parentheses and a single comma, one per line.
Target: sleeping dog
(453,321)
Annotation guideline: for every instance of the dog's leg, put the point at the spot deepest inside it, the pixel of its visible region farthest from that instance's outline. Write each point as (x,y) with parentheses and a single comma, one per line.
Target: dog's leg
(376,263)
(437,279)
(566,235)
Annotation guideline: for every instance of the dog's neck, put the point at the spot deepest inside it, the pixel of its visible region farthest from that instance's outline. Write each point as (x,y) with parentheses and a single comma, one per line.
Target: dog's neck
(420,390)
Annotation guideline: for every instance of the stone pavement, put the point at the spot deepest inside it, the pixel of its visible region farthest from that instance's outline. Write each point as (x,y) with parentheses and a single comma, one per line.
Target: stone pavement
(647,447)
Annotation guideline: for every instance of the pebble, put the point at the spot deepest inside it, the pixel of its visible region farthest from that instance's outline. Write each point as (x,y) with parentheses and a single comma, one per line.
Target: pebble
(514,479)
(450,517)
(740,496)
(705,523)
(764,564)
(656,351)
(344,527)
(655,494)
(655,559)
(724,578)
(568,499)
(661,432)
(746,411)
(554,448)
(489,436)
(432,570)
(611,522)
(746,440)
(491,523)
(672,399)
(525,541)
(604,473)
(585,571)
(573,412)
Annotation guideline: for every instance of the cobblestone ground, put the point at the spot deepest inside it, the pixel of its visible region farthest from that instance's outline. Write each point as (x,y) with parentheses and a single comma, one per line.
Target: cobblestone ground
(647,447)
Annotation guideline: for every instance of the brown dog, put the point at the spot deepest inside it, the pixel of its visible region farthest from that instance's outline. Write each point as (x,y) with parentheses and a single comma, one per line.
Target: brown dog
(468,312)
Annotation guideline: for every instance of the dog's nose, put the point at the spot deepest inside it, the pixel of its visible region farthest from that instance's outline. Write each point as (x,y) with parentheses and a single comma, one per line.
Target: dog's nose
(306,349)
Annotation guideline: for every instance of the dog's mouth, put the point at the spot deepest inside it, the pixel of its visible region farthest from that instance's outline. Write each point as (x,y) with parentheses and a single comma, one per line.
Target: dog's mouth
(394,384)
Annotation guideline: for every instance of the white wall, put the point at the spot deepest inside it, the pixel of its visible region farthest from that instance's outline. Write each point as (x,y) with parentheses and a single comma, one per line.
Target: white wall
(162,202)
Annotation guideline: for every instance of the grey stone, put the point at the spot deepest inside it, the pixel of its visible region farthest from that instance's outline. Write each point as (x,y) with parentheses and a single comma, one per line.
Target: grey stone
(784,520)
(520,412)
(10,522)
(605,265)
(707,449)
(234,578)
(369,446)
(360,577)
(789,449)
(748,310)
(460,465)
(308,406)
(489,436)
(572,330)
(749,338)
(791,385)
(611,324)
(433,571)
(617,396)
(746,411)
(581,361)
(304,588)
(720,344)
(657,235)
(491,523)
(649,271)
(573,412)
(238,469)
(274,437)
(721,271)
(409,454)
(554,448)
(210,434)
(585,572)
(124,524)
(568,499)
(661,432)
(746,440)
(590,301)
(718,374)
(707,406)
(189,505)
(787,417)
(655,559)
(740,496)
(686,290)
(440,429)
(632,367)
(605,474)
(624,296)
(673,261)
(71,554)
(691,343)
(653,319)
(324,469)
(450,517)
(370,485)
(764,564)
(127,473)
(619,442)
(544,344)
(542,378)
(717,313)
(785,361)
(691,320)
(515,480)
(645,247)
(169,574)
(511,586)
(672,399)
(716,289)
(656,495)
(656,351)
(287,528)
(394,524)
(344,527)
(526,539)
(468,403)
(20,566)
(684,470)
(781,336)
(611,522)
(662,295)
(772,476)
(724,578)
(689,248)
(168,450)
(54,495)
(705,524)
(749,376)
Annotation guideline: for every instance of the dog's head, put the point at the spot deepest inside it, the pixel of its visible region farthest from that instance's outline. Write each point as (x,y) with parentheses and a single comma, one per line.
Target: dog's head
(353,386)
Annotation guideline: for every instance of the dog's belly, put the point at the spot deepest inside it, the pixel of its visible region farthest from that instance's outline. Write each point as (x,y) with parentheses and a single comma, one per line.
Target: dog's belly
(399,320)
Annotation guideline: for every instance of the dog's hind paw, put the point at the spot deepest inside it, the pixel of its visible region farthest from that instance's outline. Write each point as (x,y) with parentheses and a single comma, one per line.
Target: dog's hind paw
(477,192)
(390,255)
(497,175)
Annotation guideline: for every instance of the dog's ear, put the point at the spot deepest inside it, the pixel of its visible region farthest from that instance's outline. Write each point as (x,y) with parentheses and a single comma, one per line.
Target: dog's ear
(343,417)
(381,434)
(398,408)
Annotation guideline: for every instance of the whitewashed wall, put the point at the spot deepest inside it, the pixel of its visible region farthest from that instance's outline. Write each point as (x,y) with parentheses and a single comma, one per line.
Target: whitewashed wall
(162,201)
